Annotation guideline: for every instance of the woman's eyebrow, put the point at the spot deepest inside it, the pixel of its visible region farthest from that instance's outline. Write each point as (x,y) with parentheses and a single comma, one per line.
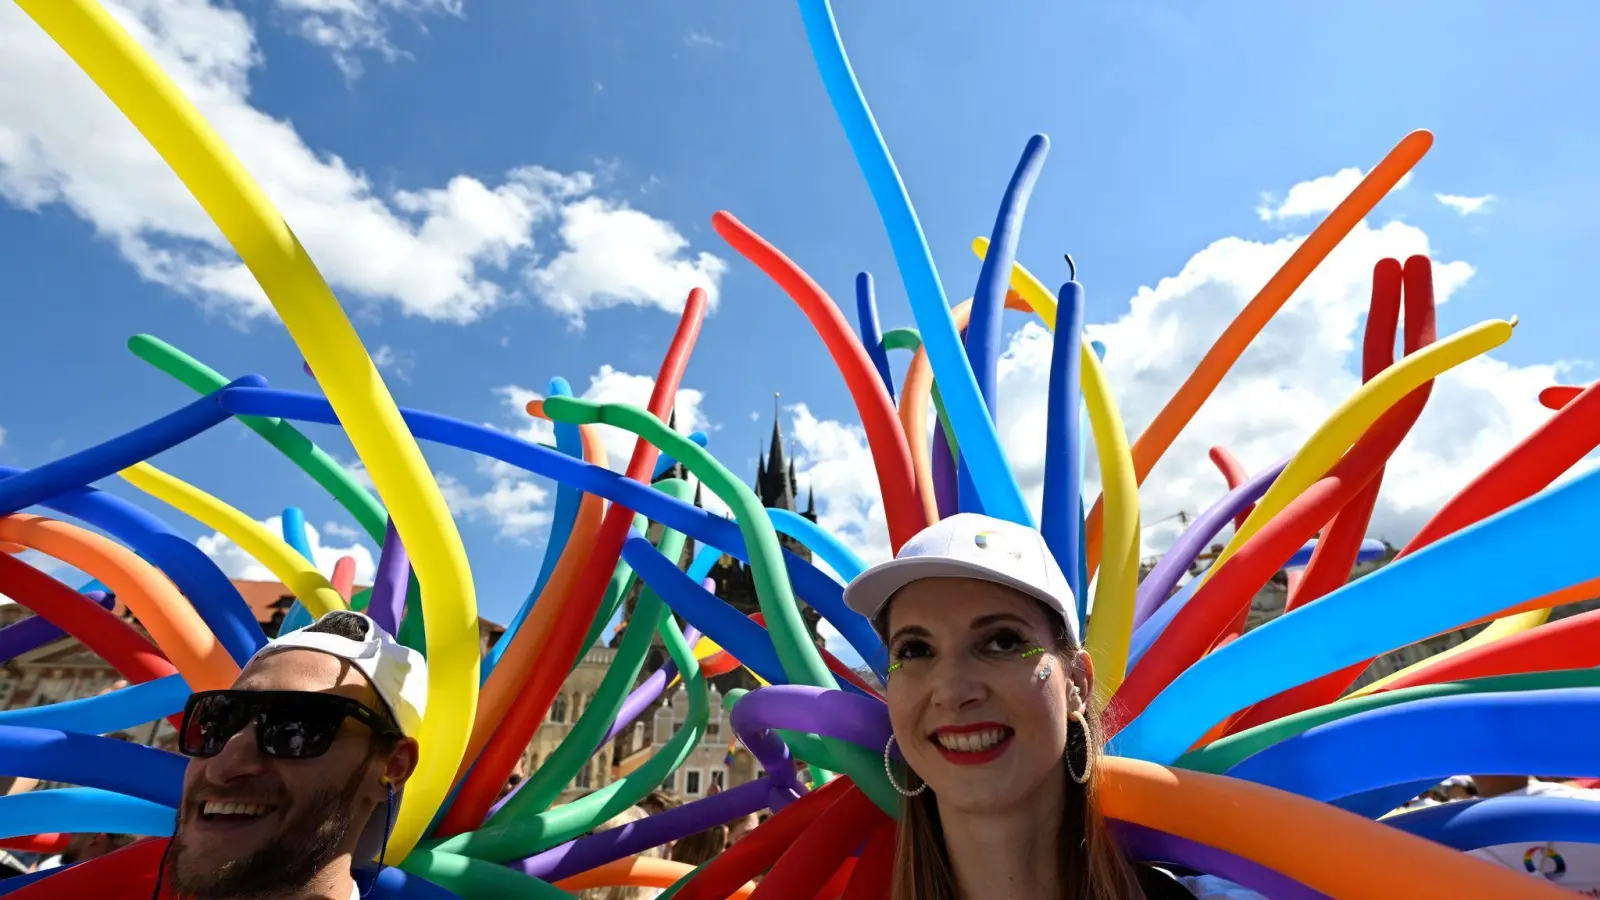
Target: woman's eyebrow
(909,631)
(996,618)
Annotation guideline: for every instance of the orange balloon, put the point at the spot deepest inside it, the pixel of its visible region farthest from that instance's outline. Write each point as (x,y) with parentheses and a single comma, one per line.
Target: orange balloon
(638,871)
(1328,849)
(914,405)
(164,612)
(523,654)
(1164,429)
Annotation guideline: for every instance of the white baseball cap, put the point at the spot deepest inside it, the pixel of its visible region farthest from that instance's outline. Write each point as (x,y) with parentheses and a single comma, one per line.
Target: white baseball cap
(398,673)
(969,545)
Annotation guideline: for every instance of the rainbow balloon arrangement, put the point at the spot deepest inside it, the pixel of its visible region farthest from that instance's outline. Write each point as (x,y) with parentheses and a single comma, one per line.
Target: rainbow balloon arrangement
(1237,754)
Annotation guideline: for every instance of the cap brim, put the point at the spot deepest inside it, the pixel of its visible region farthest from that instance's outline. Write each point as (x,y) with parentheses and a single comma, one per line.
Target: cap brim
(870,593)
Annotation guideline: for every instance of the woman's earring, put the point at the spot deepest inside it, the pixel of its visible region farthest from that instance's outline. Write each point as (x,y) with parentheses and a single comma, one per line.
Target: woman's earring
(1088,758)
(888,769)
(1049,666)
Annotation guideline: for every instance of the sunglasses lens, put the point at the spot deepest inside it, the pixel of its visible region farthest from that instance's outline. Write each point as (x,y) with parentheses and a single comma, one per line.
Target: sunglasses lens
(301,729)
(212,720)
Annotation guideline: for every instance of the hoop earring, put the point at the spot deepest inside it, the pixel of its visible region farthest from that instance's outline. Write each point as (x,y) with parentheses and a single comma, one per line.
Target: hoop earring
(888,769)
(1088,758)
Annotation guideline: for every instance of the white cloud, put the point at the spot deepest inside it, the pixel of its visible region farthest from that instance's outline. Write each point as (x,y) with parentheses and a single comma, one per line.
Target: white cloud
(617,256)
(2,435)
(699,38)
(1319,195)
(1465,206)
(514,501)
(350,27)
(236,563)
(1292,377)
(449,253)
(338,530)
(400,362)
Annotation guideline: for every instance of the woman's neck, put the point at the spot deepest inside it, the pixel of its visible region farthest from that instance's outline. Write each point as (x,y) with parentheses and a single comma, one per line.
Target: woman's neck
(1014,853)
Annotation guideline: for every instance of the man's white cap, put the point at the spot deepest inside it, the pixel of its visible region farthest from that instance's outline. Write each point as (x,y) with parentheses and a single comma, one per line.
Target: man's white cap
(400,676)
(398,673)
(968,545)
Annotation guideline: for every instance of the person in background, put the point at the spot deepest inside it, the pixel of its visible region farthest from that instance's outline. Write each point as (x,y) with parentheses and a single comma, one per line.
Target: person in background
(629,815)
(1571,866)
(738,828)
(702,847)
(296,772)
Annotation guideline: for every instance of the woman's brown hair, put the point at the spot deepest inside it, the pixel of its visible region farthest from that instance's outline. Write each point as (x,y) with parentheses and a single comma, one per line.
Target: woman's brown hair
(1090,858)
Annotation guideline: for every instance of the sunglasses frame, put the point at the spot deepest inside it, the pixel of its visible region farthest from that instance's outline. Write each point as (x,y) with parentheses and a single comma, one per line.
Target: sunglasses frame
(348,708)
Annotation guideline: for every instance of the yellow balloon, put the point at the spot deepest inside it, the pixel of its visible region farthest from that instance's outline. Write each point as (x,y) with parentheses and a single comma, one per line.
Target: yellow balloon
(296,572)
(344,370)
(1114,591)
(1347,423)
(1499,628)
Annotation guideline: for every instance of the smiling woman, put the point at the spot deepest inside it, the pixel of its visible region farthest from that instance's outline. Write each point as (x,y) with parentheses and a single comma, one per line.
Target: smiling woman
(988,698)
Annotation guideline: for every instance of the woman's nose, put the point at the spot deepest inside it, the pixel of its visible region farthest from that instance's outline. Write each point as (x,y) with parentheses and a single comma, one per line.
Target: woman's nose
(955,685)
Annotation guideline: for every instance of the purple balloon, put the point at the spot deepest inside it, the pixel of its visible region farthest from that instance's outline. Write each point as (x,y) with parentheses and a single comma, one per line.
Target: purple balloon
(1158,585)
(943,468)
(793,707)
(388,598)
(1149,845)
(36,631)
(653,831)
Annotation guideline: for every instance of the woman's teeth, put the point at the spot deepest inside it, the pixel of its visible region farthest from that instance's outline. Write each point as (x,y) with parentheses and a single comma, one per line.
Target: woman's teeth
(972,741)
(249,810)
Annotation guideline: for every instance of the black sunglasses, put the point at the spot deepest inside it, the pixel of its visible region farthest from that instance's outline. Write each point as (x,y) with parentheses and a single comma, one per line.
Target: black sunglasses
(289,724)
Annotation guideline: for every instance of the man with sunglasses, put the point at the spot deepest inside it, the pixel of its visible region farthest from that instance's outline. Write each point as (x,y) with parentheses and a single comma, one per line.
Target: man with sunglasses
(295,773)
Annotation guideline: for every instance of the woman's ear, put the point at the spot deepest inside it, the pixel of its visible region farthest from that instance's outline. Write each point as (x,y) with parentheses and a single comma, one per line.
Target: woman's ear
(1082,675)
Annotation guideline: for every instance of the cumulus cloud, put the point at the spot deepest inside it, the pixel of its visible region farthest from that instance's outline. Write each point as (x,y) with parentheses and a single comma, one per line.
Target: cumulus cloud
(1465,206)
(338,530)
(1319,195)
(608,385)
(450,253)
(349,28)
(1292,377)
(400,362)
(236,563)
(513,502)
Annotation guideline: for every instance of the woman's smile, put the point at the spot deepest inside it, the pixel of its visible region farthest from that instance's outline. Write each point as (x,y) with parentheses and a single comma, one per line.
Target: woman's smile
(972,745)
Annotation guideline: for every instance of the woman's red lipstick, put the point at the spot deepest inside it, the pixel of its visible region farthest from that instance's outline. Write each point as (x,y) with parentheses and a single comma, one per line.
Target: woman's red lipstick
(973,757)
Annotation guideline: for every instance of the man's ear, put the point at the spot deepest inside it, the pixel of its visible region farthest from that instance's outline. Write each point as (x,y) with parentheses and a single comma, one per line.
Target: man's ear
(402,761)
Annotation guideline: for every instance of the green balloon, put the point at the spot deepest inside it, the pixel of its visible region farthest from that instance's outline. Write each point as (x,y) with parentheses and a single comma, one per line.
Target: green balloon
(1220,756)
(798,655)
(474,879)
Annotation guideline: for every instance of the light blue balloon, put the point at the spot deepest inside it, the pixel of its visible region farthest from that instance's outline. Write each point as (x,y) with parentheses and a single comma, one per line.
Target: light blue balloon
(1146,634)
(294,534)
(969,417)
(76,810)
(1541,545)
(127,707)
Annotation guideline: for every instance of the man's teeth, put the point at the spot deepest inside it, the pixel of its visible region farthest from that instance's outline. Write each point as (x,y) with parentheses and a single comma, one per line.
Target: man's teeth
(217,808)
(971,741)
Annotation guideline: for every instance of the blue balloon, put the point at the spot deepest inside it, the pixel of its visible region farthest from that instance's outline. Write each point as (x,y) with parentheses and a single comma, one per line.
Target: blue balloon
(1527,551)
(214,597)
(989,297)
(872,331)
(126,707)
(1547,731)
(1146,634)
(665,463)
(1490,822)
(92,761)
(110,457)
(1061,519)
(569,440)
(958,386)
(82,811)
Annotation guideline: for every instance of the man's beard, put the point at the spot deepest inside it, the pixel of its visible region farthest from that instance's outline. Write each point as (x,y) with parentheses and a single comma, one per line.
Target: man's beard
(286,863)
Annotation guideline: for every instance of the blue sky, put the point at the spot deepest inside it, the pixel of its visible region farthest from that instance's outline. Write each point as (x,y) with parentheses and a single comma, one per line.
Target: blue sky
(1168,124)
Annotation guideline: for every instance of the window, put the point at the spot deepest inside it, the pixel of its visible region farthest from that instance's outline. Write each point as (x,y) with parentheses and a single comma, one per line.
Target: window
(638,737)
(691,783)
(558,709)
(583,778)
(671,784)
(713,729)
(716,778)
